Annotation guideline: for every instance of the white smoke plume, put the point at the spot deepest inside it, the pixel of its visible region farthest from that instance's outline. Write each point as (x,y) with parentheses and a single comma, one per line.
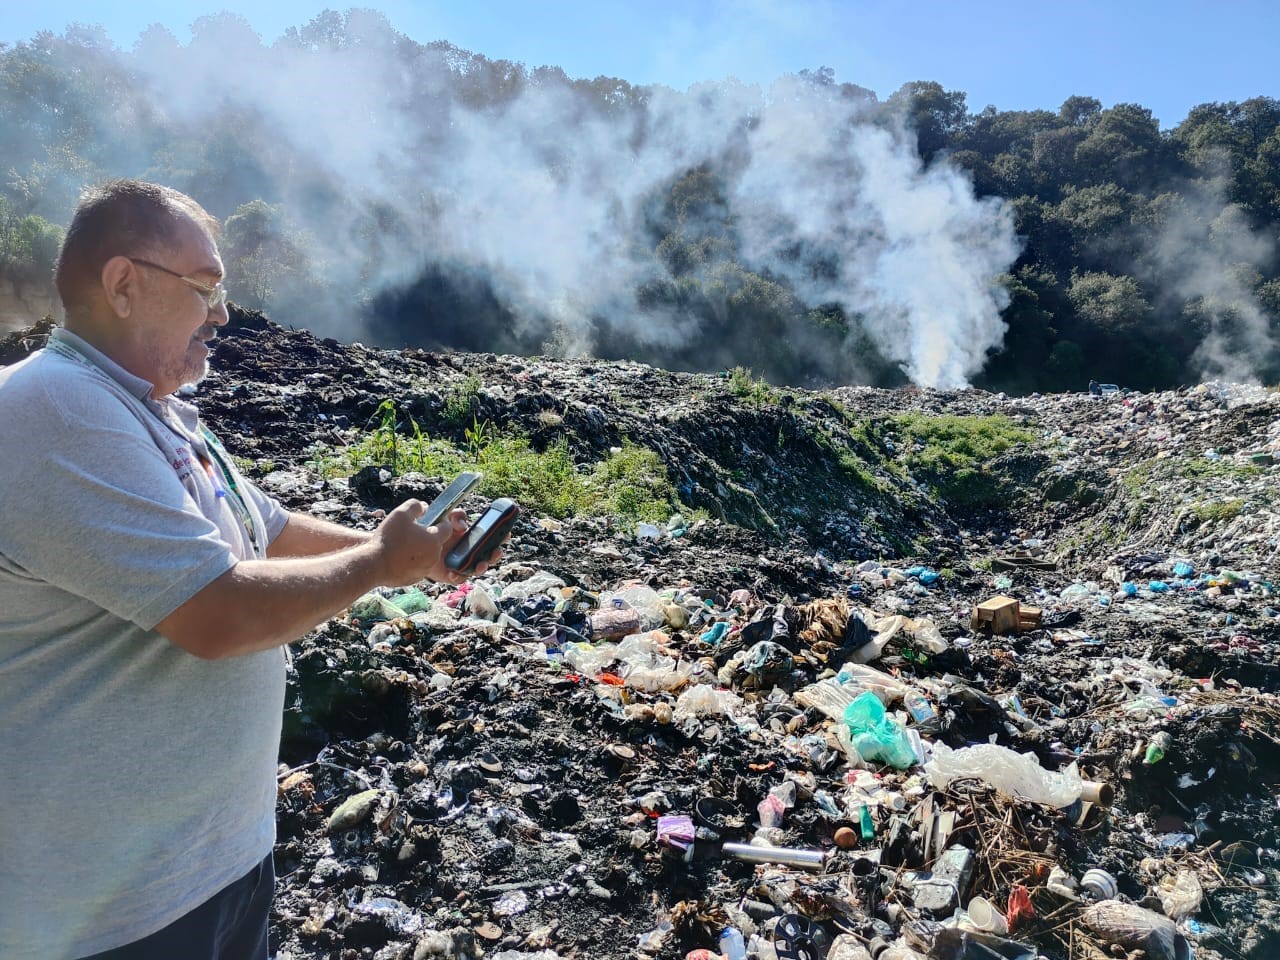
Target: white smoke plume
(545,195)
(1210,255)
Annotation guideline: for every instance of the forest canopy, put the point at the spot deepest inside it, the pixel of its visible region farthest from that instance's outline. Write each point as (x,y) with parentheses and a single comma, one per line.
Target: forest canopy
(374,187)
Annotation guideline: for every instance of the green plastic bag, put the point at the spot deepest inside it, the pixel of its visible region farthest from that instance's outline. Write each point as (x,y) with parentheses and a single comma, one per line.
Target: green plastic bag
(412,601)
(876,736)
(374,608)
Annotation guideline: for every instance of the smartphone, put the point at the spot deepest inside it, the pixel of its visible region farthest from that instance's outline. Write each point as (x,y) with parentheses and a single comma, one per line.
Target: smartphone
(449,498)
(484,535)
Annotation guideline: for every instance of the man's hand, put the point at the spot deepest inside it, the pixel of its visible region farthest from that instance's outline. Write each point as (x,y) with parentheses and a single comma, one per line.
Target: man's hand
(411,552)
(259,604)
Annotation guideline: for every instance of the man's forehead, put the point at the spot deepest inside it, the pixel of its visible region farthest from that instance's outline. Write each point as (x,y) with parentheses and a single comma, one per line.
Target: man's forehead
(199,251)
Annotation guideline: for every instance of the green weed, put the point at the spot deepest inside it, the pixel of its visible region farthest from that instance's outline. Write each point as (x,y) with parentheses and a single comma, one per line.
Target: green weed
(461,402)
(744,385)
(949,453)
(630,483)
(1218,510)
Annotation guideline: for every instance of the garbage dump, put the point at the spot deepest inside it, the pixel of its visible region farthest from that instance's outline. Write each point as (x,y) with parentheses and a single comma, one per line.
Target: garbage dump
(701,739)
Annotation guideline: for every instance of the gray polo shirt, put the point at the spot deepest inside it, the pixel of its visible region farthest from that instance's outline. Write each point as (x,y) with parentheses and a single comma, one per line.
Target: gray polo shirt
(136,780)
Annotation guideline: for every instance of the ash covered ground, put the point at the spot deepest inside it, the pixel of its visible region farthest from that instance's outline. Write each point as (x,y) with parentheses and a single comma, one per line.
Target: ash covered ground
(482,775)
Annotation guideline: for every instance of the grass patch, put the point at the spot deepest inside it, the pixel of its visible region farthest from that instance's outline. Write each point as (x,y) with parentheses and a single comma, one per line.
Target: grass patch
(630,484)
(949,454)
(757,392)
(1195,470)
(1218,510)
(461,402)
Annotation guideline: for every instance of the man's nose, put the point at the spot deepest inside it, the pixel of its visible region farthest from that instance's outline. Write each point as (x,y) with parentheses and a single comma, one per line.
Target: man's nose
(220,315)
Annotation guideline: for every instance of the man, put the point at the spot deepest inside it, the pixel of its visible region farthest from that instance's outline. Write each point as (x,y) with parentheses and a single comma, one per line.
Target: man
(146,593)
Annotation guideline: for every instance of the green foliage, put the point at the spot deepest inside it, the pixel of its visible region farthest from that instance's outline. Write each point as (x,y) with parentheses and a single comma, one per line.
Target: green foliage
(631,483)
(461,402)
(1100,196)
(28,246)
(267,260)
(1218,510)
(951,454)
(1192,473)
(1195,476)
(755,391)
(1110,302)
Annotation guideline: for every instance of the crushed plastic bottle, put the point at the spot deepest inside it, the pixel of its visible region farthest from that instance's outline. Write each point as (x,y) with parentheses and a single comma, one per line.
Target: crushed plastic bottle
(921,710)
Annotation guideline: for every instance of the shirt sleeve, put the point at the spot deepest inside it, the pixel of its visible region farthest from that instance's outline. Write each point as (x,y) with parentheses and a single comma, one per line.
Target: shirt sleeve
(94,508)
(274,516)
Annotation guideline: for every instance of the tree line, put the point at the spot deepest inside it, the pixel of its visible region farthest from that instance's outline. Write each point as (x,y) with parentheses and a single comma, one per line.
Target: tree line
(1149,256)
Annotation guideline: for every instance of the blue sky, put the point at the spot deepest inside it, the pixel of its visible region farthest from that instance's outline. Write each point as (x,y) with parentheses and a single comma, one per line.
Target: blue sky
(1167,56)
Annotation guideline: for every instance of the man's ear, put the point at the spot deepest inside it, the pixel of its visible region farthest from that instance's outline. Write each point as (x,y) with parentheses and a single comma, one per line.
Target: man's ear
(120,285)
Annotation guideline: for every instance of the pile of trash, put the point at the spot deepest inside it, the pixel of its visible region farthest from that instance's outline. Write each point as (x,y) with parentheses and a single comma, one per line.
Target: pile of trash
(679,771)
(1044,734)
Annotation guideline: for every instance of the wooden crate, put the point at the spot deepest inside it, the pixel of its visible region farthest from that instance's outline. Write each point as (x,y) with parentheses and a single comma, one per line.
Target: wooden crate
(999,615)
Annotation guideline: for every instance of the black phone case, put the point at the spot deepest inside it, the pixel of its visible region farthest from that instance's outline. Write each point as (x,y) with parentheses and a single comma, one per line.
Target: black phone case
(488,542)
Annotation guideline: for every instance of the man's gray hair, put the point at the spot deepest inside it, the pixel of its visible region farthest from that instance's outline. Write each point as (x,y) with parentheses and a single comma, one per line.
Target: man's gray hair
(120,218)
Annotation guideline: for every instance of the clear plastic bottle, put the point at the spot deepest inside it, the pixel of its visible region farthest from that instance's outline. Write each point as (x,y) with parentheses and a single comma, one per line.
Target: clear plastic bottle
(732,945)
(921,711)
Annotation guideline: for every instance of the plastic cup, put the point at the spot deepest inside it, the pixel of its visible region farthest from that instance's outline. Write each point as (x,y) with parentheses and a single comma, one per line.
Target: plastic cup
(987,917)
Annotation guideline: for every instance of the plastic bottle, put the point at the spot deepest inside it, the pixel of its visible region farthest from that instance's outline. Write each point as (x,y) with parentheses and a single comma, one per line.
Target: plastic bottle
(921,711)
(732,945)
(1158,747)
(866,825)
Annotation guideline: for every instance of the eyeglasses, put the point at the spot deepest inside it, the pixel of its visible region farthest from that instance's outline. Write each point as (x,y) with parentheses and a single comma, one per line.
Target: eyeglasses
(214,296)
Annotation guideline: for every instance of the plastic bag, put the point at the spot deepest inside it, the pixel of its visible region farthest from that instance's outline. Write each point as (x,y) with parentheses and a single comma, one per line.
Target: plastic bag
(644,600)
(830,696)
(876,737)
(411,601)
(589,660)
(705,700)
(1017,774)
(1136,928)
(373,607)
(540,582)
(847,947)
(923,633)
(644,667)
(1180,895)
(480,603)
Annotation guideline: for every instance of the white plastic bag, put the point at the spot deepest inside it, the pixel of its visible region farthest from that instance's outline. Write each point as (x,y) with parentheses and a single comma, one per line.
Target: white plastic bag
(1017,774)
(704,700)
(1180,895)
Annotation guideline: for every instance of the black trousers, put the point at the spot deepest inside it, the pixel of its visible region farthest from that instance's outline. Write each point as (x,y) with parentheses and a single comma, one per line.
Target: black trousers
(230,925)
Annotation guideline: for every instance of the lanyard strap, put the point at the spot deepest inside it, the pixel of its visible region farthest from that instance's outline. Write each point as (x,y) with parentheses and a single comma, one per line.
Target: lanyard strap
(236,499)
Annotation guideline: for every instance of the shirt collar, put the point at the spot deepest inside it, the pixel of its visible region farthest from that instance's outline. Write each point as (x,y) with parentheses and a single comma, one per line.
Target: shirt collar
(137,386)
